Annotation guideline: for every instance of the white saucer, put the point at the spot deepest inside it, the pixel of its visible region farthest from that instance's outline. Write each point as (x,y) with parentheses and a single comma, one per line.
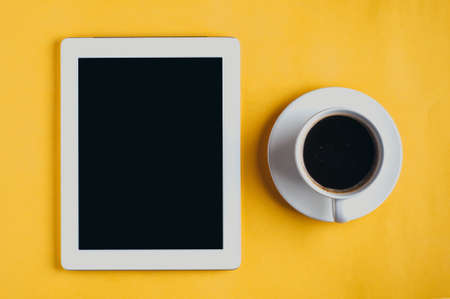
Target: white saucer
(287,178)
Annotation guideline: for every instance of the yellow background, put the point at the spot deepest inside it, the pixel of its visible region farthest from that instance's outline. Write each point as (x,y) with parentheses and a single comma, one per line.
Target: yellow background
(398,52)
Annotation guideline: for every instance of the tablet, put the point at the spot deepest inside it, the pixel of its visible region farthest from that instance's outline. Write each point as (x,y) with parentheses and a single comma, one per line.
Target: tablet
(150,153)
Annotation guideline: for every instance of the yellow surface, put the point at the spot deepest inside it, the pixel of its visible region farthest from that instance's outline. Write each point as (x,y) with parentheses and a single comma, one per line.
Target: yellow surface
(398,52)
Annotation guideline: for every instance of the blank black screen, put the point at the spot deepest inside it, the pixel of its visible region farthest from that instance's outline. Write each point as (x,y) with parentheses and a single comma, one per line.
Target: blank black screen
(150,153)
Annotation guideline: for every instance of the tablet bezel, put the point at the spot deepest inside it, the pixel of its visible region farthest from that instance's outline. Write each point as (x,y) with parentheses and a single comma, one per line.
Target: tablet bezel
(227,258)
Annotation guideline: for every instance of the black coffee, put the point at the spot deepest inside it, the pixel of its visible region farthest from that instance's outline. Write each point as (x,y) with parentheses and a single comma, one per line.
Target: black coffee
(339,153)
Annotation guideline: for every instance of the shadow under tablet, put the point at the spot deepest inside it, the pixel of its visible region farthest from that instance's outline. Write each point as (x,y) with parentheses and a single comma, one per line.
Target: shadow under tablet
(150,153)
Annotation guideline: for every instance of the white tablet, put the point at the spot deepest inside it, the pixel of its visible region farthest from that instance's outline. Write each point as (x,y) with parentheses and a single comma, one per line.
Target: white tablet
(150,153)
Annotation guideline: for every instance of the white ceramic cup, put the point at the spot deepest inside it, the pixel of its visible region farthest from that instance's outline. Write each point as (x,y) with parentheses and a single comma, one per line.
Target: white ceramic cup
(300,163)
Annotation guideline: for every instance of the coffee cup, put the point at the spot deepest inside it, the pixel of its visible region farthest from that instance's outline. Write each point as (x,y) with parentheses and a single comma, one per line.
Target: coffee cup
(338,153)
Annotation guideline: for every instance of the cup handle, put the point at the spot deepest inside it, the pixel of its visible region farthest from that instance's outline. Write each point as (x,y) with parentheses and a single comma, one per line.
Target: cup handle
(338,210)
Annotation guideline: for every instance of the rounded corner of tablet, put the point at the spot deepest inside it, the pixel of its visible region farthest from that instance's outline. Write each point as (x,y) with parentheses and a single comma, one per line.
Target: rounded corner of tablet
(65,265)
(236,264)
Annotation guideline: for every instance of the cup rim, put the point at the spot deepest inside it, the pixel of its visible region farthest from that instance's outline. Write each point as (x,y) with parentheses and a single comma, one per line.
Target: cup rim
(300,141)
